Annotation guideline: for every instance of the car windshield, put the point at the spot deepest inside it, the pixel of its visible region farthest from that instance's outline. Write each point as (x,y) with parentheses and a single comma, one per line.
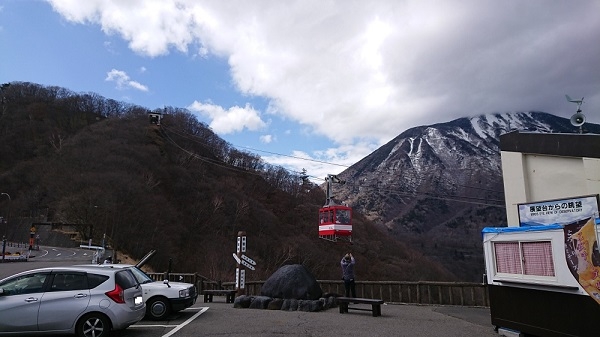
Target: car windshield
(141,276)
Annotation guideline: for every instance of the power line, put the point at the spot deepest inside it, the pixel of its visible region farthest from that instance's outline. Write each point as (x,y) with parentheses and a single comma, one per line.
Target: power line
(475,200)
(285,155)
(448,198)
(205,159)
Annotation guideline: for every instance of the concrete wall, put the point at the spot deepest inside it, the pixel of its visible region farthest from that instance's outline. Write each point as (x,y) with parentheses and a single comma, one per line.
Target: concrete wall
(535,168)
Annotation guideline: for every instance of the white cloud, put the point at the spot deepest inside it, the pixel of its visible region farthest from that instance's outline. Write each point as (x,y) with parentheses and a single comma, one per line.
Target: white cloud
(267,139)
(235,119)
(364,71)
(123,81)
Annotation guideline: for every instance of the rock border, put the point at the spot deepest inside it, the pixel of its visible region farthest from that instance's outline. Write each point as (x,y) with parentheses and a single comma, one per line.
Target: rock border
(285,304)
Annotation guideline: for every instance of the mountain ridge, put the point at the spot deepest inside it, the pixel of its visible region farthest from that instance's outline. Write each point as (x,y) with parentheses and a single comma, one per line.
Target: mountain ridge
(420,200)
(434,181)
(101,167)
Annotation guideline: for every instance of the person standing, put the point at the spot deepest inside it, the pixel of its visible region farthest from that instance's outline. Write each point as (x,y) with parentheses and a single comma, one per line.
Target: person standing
(31,237)
(347,264)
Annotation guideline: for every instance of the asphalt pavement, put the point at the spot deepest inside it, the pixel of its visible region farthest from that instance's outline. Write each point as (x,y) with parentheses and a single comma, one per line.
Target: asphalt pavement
(222,319)
(46,257)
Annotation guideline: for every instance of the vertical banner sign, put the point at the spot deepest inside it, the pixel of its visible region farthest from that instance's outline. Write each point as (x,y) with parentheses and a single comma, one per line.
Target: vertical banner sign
(242,278)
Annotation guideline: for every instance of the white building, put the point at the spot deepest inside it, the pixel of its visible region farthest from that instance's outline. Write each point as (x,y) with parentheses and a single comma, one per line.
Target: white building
(543,270)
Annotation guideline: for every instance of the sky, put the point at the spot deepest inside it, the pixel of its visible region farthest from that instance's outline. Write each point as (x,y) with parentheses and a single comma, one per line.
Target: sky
(312,84)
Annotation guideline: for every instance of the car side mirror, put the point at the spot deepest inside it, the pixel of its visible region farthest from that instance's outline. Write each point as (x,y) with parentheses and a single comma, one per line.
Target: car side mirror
(166,281)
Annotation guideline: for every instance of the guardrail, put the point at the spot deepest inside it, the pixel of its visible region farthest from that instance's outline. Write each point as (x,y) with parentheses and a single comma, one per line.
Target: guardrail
(421,292)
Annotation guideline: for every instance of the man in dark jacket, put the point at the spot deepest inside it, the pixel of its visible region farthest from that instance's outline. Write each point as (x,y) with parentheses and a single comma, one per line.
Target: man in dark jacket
(347,264)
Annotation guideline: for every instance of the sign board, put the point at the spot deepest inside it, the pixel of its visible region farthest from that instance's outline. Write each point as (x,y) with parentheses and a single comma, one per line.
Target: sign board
(242,279)
(247,265)
(236,258)
(243,244)
(558,211)
(249,260)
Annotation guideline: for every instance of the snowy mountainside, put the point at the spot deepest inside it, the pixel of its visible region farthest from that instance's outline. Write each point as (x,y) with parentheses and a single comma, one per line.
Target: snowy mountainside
(439,185)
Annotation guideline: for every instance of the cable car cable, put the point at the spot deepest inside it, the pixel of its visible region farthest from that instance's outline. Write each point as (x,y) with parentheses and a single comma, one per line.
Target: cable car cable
(194,138)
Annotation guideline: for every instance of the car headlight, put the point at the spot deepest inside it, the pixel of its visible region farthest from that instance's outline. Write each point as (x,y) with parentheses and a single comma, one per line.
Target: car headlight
(184,292)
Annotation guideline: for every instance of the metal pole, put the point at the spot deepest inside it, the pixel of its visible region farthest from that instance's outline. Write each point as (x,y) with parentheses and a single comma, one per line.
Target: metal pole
(6,226)
(240,276)
(3,247)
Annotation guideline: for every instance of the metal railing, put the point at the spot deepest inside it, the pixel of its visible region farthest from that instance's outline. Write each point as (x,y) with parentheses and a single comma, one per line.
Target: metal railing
(421,292)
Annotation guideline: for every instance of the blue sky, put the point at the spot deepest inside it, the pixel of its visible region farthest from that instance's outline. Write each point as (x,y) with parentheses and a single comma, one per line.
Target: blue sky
(324,80)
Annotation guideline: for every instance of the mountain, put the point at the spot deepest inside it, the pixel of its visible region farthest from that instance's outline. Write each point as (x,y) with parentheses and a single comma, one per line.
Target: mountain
(435,187)
(95,168)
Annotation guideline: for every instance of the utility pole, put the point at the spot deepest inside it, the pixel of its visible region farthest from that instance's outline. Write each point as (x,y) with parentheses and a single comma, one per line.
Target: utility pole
(6,221)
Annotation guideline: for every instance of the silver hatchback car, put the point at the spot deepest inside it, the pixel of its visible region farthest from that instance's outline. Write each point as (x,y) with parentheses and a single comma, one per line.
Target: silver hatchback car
(88,302)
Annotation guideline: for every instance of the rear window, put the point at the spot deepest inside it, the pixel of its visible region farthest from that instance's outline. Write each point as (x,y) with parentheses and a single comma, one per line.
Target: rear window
(125,279)
(95,280)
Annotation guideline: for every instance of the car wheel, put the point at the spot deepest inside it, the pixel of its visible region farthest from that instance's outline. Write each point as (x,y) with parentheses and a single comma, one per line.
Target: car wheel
(93,325)
(158,308)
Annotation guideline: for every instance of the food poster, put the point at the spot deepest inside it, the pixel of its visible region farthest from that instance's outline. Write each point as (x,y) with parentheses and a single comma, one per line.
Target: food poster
(579,218)
(583,258)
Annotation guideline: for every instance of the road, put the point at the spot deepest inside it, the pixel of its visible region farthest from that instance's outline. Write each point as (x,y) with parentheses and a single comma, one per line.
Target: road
(221,319)
(47,257)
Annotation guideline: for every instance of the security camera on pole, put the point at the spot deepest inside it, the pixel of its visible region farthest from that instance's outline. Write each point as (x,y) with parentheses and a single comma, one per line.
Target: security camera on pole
(243,262)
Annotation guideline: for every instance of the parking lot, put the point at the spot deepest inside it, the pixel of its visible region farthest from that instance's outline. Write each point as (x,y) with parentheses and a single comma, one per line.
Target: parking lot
(176,322)
(222,319)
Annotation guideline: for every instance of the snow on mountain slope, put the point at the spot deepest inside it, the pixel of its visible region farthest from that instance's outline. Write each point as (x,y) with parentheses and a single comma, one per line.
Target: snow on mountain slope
(436,186)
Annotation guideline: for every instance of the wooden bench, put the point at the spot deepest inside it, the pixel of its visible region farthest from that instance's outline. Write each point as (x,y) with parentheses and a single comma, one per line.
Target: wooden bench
(375,304)
(208,295)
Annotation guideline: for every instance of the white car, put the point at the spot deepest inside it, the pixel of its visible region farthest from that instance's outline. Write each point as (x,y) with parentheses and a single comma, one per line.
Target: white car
(161,298)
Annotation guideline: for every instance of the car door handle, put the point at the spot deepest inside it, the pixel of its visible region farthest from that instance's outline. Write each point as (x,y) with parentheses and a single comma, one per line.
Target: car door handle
(31,299)
(80,295)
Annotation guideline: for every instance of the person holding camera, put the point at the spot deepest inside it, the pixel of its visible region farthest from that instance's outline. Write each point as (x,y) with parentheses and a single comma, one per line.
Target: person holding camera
(347,264)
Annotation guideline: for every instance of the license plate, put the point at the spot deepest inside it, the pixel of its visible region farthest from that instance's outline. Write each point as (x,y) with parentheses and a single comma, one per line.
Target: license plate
(138,300)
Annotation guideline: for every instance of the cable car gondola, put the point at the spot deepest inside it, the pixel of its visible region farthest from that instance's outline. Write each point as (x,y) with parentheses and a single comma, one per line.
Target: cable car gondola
(335,221)
(155,117)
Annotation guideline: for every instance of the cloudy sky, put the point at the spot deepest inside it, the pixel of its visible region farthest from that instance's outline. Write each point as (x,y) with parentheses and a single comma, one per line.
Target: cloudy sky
(327,80)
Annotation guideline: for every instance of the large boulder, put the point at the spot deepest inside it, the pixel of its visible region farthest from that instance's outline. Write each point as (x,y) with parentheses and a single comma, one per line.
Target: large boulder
(292,282)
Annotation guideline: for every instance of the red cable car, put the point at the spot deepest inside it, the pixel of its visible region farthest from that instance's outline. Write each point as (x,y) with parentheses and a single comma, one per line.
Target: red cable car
(335,221)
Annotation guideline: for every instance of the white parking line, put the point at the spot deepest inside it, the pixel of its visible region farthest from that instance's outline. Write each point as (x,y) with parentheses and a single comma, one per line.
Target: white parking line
(45,253)
(203,310)
(176,327)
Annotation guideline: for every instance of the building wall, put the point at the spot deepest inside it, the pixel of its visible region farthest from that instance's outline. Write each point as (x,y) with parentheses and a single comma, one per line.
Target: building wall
(532,172)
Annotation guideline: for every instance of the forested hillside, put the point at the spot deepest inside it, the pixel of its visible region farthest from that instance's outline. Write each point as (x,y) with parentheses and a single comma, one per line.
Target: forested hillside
(96,163)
